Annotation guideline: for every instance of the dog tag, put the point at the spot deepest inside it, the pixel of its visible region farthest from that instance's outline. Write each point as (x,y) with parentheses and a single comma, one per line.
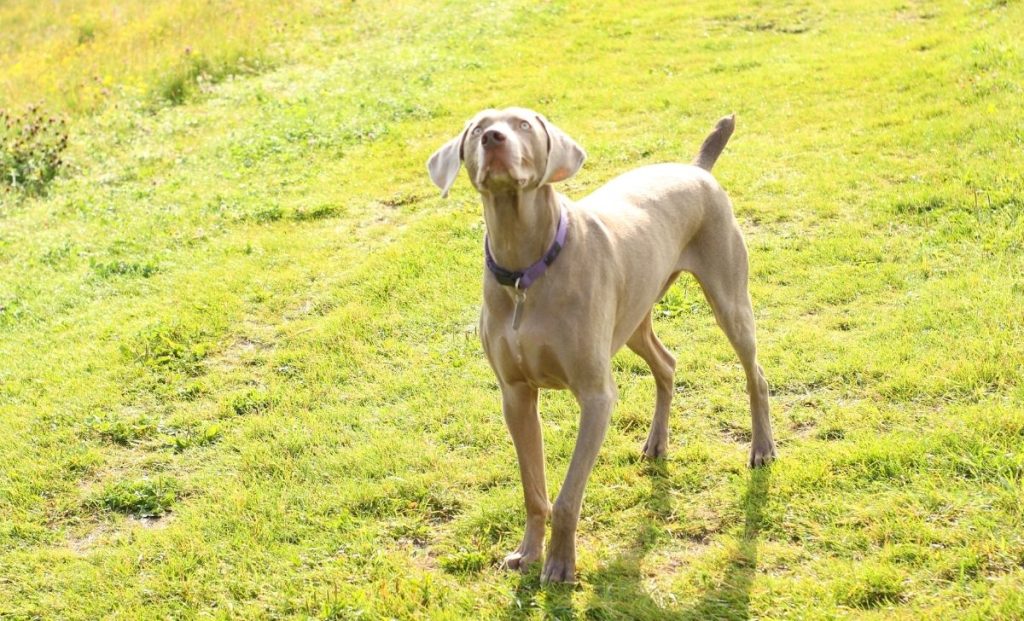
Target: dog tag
(517,313)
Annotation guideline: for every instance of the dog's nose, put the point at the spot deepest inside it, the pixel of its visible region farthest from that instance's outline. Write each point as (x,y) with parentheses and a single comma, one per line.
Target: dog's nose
(492,138)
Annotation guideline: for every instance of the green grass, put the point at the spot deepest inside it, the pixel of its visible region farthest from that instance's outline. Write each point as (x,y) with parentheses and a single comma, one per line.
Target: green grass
(80,56)
(240,375)
(143,498)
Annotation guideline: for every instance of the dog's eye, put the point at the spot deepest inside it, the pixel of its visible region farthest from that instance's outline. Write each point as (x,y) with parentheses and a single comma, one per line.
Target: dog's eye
(478,130)
(523,125)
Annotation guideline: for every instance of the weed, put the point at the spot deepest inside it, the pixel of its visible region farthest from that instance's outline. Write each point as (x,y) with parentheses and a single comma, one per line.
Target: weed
(31,147)
(172,347)
(182,440)
(253,401)
(124,268)
(317,213)
(197,72)
(146,497)
(123,430)
(830,432)
(11,310)
(272,213)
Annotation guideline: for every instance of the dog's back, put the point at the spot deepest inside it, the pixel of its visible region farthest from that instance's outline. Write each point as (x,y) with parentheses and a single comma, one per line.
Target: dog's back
(655,185)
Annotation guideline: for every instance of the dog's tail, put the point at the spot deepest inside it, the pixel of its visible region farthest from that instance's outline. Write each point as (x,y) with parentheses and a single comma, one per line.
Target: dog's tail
(715,142)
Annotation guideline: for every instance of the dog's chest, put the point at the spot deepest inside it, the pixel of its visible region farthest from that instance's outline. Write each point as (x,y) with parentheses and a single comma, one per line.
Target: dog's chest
(527,354)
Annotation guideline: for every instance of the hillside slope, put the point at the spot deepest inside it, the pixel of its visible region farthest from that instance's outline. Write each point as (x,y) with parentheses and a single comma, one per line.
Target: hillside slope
(240,377)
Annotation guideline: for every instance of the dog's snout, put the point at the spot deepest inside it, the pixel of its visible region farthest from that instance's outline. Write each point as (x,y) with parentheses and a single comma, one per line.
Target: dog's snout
(492,138)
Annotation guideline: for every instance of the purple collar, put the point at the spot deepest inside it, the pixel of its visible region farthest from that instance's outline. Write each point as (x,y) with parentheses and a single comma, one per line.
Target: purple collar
(524,278)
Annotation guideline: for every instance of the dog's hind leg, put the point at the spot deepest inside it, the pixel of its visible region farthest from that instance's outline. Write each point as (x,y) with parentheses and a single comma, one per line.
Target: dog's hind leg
(663,365)
(721,268)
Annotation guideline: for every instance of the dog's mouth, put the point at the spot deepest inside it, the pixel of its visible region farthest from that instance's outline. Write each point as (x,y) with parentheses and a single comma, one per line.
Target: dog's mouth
(502,179)
(497,173)
(497,161)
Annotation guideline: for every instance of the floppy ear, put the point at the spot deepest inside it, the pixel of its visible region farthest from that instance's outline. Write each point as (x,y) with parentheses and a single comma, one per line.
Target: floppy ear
(564,156)
(444,164)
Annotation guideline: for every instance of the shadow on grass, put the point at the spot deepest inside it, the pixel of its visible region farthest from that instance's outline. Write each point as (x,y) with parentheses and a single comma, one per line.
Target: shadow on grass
(618,588)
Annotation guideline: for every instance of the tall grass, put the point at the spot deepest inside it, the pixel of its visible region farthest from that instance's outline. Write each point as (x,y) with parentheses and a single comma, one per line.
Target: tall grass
(78,55)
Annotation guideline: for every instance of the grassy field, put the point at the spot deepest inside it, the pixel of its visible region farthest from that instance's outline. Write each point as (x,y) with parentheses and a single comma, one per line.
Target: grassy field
(239,373)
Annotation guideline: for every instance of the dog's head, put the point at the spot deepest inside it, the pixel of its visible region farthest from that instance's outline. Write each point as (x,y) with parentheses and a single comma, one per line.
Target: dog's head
(507,151)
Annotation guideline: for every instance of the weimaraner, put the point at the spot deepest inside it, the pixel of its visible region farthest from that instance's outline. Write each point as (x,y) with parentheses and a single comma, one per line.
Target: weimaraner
(555,312)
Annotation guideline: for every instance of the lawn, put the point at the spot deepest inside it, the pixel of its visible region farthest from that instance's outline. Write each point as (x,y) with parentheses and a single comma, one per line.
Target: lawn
(239,369)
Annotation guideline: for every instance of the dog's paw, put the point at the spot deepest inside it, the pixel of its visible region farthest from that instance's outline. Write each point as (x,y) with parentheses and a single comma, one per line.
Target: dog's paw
(654,452)
(762,455)
(520,560)
(656,446)
(558,570)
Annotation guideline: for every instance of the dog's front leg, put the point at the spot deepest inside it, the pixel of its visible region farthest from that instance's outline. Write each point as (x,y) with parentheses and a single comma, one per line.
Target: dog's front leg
(595,412)
(519,404)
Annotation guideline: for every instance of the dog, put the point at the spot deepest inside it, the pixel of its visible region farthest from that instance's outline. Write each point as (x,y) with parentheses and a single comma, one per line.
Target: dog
(567,284)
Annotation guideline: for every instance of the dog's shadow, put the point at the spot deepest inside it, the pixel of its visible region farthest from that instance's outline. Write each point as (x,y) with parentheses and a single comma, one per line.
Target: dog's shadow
(618,591)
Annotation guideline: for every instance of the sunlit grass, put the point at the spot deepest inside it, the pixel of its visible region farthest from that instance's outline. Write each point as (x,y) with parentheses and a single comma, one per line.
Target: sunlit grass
(240,376)
(76,56)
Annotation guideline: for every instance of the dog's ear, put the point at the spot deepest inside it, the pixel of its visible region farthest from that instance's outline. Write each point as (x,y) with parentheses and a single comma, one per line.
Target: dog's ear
(564,156)
(444,164)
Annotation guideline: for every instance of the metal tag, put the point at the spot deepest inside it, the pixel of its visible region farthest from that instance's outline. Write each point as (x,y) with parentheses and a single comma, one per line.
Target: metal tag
(517,313)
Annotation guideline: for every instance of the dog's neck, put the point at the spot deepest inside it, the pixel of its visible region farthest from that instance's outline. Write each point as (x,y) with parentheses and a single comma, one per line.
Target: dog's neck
(520,225)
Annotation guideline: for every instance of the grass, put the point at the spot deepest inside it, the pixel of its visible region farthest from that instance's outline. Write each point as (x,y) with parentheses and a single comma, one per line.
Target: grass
(241,378)
(143,498)
(80,56)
